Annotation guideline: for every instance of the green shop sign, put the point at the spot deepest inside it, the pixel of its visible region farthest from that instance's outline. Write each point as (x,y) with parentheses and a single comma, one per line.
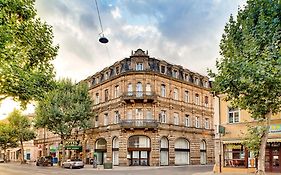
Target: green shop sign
(73,147)
(276,128)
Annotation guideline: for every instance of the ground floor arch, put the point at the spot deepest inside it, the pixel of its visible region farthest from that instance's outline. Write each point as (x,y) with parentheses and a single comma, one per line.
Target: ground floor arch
(100,150)
(182,151)
(139,148)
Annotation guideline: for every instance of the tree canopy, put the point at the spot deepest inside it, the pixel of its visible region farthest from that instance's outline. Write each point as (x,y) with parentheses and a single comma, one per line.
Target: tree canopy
(65,109)
(249,71)
(26,51)
(21,127)
(8,138)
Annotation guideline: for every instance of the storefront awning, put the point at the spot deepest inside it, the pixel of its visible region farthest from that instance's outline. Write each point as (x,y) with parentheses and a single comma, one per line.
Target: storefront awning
(240,141)
(231,141)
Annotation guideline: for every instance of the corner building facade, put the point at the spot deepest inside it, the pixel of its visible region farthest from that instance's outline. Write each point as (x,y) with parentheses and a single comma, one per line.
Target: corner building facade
(150,113)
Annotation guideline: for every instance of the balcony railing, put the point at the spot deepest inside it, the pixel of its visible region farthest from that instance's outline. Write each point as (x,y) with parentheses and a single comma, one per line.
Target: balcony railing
(139,95)
(139,123)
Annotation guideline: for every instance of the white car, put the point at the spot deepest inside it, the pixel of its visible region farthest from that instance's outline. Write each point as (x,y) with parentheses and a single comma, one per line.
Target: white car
(73,164)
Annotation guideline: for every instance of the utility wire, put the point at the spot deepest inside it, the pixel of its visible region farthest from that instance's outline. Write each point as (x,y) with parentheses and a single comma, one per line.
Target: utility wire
(99,16)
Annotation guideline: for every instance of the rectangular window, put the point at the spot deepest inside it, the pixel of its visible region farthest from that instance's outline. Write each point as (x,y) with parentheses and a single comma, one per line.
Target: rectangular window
(186,96)
(162,117)
(233,115)
(116,91)
(234,156)
(97,98)
(106,95)
(116,117)
(197,122)
(206,123)
(148,114)
(206,104)
(197,100)
(176,94)
(129,114)
(163,90)
(176,118)
(105,119)
(96,121)
(186,123)
(139,66)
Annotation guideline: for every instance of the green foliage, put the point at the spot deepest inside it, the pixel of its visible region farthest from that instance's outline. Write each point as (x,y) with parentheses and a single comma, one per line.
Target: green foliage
(249,72)
(25,52)
(253,137)
(64,109)
(7,136)
(21,126)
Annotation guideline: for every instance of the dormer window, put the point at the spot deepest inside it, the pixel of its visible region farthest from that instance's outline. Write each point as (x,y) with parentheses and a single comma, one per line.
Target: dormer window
(117,70)
(197,81)
(139,66)
(206,84)
(106,76)
(163,69)
(175,74)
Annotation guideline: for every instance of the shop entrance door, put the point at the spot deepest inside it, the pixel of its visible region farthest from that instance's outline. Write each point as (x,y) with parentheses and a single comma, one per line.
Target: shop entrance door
(139,158)
(273,157)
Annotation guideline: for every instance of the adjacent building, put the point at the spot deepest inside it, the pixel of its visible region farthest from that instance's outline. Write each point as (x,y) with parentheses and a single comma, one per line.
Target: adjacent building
(231,155)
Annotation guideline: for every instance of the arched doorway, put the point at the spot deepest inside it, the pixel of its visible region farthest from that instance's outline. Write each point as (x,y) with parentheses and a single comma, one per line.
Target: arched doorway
(182,151)
(139,150)
(164,151)
(100,151)
(203,155)
(115,151)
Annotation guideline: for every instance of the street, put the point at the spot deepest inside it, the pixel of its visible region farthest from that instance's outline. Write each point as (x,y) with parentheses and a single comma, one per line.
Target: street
(31,169)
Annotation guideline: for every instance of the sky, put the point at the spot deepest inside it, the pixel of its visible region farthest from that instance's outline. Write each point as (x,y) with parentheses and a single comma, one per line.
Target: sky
(182,32)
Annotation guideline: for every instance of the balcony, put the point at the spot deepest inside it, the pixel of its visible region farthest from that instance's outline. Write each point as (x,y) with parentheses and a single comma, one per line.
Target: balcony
(143,96)
(139,124)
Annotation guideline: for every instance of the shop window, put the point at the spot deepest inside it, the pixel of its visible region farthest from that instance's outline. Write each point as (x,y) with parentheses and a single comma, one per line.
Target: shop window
(234,155)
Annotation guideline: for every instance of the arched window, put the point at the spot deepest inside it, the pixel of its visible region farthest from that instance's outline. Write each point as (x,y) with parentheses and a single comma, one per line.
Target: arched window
(115,151)
(182,151)
(101,149)
(203,155)
(164,151)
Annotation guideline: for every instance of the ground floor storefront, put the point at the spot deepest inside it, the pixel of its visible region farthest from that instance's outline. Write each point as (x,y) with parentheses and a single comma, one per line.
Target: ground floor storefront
(142,148)
(236,158)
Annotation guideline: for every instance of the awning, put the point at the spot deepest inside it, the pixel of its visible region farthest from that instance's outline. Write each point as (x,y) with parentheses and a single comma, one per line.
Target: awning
(240,141)
(232,141)
(274,140)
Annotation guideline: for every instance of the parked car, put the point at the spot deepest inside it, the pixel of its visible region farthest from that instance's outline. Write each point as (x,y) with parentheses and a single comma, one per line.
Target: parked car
(74,163)
(44,161)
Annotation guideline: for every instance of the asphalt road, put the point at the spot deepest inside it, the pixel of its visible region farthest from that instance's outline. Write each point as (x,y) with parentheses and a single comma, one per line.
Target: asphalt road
(30,169)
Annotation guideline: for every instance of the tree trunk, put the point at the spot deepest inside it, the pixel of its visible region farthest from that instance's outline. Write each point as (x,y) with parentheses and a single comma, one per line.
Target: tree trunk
(22,161)
(5,152)
(84,145)
(261,158)
(63,151)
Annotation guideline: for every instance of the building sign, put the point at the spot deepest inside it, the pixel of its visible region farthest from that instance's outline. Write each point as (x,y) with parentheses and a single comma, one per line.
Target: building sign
(276,128)
(73,145)
(53,148)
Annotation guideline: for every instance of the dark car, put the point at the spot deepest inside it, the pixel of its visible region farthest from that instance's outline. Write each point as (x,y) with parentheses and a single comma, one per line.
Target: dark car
(44,161)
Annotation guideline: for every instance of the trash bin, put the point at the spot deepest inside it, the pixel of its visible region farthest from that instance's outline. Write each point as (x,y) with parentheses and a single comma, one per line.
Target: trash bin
(107,165)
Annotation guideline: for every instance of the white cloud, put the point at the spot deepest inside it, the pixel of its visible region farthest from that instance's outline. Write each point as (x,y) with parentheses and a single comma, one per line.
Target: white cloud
(116,13)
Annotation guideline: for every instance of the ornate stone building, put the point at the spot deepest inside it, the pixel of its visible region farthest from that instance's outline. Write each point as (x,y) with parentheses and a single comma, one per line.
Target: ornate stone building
(150,112)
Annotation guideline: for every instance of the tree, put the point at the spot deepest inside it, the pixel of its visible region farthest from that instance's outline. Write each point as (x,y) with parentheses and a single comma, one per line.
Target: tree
(249,72)
(26,51)
(7,138)
(21,126)
(64,110)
